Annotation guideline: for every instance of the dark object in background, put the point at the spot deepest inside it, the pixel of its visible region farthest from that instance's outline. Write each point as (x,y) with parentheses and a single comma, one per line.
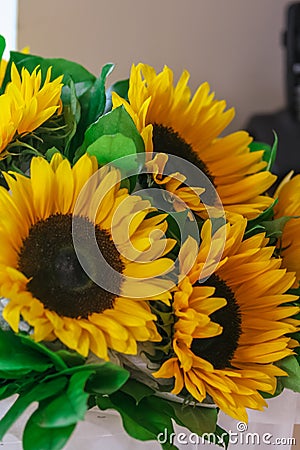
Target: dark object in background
(286,122)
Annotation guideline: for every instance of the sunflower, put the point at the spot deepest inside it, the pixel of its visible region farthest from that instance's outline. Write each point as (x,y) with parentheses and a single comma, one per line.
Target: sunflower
(37,103)
(231,327)
(26,105)
(3,65)
(288,204)
(171,122)
(9,118)
(40,273)
(181,195)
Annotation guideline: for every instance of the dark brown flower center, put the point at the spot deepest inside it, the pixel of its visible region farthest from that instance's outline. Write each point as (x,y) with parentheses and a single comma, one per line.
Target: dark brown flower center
(219,350)
(166,140)
(57,279)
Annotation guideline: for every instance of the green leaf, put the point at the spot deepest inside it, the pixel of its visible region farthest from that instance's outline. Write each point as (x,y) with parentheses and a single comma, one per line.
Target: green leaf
(109,148)
(2,46)
(24,359)
(68,408)
(256,146)
(34,394)
(136,425)
(97,96)
(144,421)
(271,158)
(37,438)
(106,379)
(121,88)
(222,437)
(291,366)
(274,228)
(82,78)
(51,152)
(115,122)
(9,389)
(269,152)
(137,390)
(197,419)
(103,367)
(72,114)
(278,390)
(53,356)
(71,358)
(256,229)
(69,98)
(263,217)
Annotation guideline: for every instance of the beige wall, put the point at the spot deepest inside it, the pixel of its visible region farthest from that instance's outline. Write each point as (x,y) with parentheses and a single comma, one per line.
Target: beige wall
(233,44)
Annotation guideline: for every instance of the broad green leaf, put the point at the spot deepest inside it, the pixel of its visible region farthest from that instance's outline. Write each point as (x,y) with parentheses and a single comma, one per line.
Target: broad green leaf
(263,217)
(274,228)
(18,358)
(256,229)
(115,122)
(129,416)
(121,88)
(222,437)
(137,390)
(71,358)
(72,114)
(269,151)
(197,419)
(2,46)
(68,97)
(39,438)
(51,152)
(82,78)
(110,148)
(295,291)
(272,156)
(278,390)
(144,421)
(92,106)
(257,146)
(69,407)
(291,366)
(9,389)
(53,356)
(35,393)
(97,96)
(106,379)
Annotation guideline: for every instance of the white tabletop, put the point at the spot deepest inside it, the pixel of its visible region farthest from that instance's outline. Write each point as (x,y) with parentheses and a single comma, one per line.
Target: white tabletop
(103,430)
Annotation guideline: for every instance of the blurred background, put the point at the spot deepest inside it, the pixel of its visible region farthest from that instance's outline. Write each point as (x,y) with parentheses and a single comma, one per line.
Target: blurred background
(235,45)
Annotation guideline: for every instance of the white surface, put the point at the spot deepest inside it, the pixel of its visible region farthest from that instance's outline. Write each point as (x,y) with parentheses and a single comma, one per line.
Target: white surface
(8,24)
(277,420)
(103,430)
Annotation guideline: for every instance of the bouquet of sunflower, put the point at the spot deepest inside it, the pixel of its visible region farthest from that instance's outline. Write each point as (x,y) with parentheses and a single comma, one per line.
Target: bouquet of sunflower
(144,266)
